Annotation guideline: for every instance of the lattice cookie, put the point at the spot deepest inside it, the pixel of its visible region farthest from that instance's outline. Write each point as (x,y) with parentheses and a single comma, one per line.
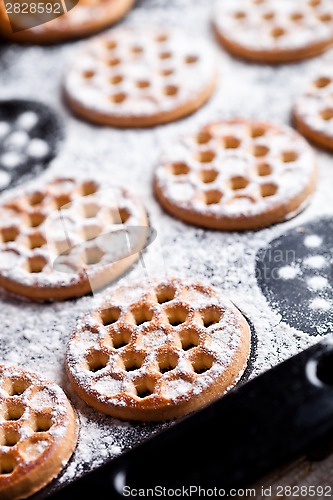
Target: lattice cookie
(274,31)
(313,111)
(158,350)
(237,175)
(67,237)
(137,78)
(81,18)
(38,432)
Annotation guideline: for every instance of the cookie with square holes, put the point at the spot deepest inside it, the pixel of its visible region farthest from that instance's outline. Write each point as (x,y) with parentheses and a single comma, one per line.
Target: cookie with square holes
(157,350)
(313,110)
(83,19)
(274,32)
(237,175)
(66,237)
(140,78)
(38,432)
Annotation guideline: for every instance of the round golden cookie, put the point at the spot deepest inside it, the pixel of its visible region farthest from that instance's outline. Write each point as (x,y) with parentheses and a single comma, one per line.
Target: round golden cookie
(158,350)
(272,31)
(140,78)
(313,110)
(85,18)
(237,175)
(38,432)
(66,237)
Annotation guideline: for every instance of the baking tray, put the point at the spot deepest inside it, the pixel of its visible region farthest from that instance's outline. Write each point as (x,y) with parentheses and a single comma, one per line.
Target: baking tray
(227,260)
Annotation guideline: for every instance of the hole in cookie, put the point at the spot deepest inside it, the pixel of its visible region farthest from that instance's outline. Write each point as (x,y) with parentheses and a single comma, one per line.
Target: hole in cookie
(115,61)
(165,294)
(133,361)
(143,84)
(7,464)
(327,114)
(111,44)
(268,190)
(167,362)
(171,90)
(177,315)
(202,363)
(231,142)
(137,49)
(36,219)
(9,234)
(36,240)
(91,231)
(191,59)
(240,14)
(36,264)
(189,339)
(118,98)
(120,339)
(88,188)
(264,169)
(36,198)
(124,215)
(325,18)
(208,176)
(142,315)
(289,156)
(10,437)
(43,423)
(206,156)
(257,131)
(90,210)
(268,16)
(62,200)
(296,16)
(97,360)
(322,82)
(167,72)
(179,168)
(212,197)
(163,37)
(14,413)
(314,3)
(278,32)
(203,137)
(17,387)
(144,388)
(238,182)
(93,255)
(115,80)
(260,150)
(165,55)
(88,74)
(210,316)
(110,316)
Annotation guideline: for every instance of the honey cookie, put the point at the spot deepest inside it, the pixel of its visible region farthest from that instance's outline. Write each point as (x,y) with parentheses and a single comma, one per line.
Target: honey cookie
(64,237)
(38,432)
(237,175)
(274,32)
(140,78)
(313,111)
(158,350)
(83,19)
